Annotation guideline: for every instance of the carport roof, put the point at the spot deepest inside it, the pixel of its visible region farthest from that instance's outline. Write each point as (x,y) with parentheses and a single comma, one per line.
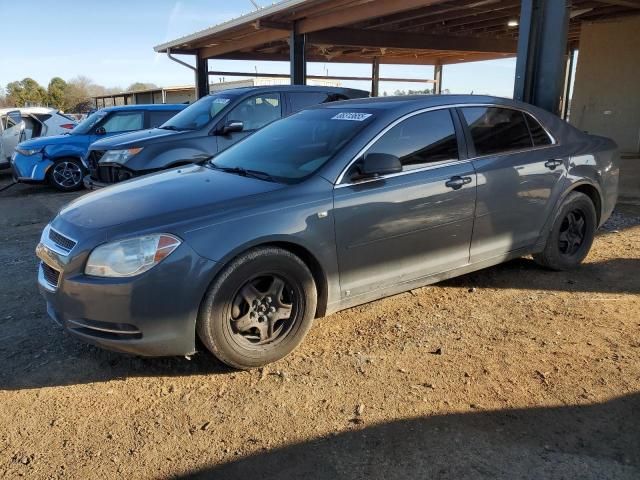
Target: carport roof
(404,32)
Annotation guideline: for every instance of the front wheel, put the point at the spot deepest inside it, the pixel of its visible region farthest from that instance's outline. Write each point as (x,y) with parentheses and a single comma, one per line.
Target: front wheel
(66,174)
(571,235)
(258,309)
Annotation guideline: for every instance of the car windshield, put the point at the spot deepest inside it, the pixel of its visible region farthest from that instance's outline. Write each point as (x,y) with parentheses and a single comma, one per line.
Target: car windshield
(88,123)
(199,114)
(293,148)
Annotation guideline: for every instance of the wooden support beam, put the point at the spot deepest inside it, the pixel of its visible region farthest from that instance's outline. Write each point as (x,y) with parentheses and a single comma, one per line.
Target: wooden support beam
(318,77)
(260,37)
(414,41)
(353,15)
(261,24)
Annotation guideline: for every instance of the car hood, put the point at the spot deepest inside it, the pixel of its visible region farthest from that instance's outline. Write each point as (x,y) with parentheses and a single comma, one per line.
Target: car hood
(172,198)
(41,142)
(133,139)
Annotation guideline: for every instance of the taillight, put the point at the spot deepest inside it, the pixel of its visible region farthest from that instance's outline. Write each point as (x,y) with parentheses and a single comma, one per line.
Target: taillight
(68,126)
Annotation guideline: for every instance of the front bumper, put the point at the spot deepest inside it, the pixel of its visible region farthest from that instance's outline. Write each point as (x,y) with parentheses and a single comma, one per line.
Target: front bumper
(152,314)
(30,168)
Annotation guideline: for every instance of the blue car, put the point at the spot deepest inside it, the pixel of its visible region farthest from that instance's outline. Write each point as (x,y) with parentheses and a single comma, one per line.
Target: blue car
(60,160)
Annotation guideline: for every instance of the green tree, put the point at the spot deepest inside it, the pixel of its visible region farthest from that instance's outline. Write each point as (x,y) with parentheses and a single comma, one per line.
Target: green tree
(57,93)
(141,86)
(26,92)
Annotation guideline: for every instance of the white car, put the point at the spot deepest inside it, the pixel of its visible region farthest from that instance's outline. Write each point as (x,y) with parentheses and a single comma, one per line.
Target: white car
(20,124)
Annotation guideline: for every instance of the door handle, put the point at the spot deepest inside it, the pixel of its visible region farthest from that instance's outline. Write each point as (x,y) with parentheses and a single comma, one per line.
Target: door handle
(457,182)
(552,164)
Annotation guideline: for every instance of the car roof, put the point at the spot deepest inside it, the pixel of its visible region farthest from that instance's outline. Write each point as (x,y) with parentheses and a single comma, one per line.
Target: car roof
(149,106)
(290,88)
(420,101)
(28,110)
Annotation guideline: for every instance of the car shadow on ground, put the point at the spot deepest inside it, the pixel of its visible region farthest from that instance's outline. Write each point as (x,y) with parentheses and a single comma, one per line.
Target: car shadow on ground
(43,355)
(596,441)
(615,276)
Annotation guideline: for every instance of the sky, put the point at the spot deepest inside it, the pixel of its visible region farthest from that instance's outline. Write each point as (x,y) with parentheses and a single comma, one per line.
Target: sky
(112,44)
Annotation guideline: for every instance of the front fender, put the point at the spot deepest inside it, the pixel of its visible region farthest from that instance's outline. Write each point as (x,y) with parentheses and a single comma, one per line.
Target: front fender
(54,152)
(306,224)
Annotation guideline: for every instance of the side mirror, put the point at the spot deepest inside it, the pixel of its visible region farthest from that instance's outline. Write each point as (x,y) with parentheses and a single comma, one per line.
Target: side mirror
(231,126)
(100,131)
(378,164)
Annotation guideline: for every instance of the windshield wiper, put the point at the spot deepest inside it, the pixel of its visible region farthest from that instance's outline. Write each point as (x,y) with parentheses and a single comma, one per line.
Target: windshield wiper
(260,175)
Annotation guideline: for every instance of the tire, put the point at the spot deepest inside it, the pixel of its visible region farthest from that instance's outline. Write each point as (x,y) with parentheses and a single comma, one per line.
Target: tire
(571,235)
(242,318)
(66,174)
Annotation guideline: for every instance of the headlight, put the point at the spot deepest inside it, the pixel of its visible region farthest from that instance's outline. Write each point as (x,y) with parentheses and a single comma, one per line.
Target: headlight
(119,156)
(130,257)
(28,151)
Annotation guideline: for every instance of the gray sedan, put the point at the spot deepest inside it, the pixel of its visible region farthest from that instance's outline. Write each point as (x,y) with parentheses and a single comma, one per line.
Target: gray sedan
(332,207)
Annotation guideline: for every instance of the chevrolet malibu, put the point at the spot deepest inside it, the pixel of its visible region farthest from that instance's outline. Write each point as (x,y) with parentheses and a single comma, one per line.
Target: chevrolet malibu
(329,208)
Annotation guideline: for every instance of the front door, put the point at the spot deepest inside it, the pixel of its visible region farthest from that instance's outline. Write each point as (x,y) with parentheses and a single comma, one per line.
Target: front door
(13,126)
(254,113)
(412,224)
(518,179)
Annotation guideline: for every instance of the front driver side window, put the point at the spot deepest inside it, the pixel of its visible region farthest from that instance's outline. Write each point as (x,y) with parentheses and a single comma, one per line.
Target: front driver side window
(124,122)
(258,111)
(420,140)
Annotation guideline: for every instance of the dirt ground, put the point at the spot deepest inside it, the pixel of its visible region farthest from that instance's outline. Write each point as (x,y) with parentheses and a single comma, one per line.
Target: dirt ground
(510,372)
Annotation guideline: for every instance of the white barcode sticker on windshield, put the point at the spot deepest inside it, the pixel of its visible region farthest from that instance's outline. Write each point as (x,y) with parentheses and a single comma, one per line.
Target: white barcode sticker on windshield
(354,116)
(220,100)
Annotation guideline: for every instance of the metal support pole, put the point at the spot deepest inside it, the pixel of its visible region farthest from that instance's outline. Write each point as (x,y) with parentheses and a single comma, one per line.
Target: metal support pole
(297,57)
(202,77)
(375,77)
(437,76)
(568,79)
(542,44)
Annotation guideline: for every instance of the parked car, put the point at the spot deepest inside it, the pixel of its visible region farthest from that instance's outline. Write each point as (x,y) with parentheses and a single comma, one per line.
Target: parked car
(207,127)
(59,160)
(20,124)
(329,208)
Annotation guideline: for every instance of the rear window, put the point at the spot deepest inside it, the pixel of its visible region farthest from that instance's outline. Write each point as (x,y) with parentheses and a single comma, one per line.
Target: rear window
(497,130)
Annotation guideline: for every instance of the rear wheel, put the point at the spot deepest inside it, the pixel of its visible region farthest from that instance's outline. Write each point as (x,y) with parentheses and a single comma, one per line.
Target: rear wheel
(572,234)
(66,174)
(258,309)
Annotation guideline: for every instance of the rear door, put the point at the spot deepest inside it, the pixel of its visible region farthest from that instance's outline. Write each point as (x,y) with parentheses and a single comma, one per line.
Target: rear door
(254,112)
(518,180)
(13,126)
(410,225)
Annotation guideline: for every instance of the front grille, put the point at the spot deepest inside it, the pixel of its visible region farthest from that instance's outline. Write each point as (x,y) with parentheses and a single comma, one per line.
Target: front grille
(106,173)
(63,243)
(50,274)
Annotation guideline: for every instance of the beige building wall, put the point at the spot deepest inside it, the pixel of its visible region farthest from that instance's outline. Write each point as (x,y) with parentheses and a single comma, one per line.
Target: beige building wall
(606,97)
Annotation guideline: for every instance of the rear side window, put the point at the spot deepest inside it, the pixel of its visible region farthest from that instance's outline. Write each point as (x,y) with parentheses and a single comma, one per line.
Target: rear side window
(497,130)
(420,140)
(158,117)
(301,100)
(538,134)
